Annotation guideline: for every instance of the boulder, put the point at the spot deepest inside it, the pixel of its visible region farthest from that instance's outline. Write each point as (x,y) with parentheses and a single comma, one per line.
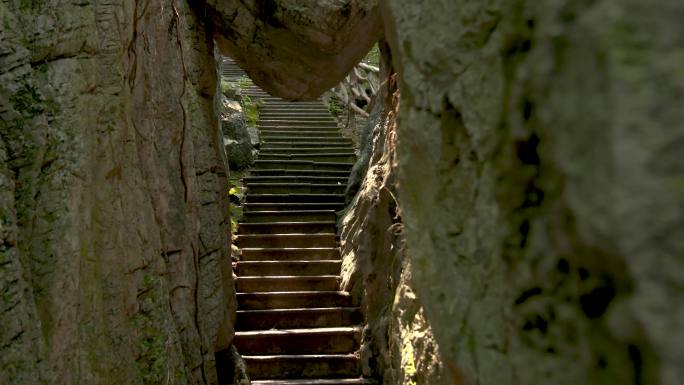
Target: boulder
(236,137)
(292,49)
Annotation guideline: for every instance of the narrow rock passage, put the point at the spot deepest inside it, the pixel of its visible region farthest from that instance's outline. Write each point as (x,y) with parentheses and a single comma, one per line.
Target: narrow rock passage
(294,326)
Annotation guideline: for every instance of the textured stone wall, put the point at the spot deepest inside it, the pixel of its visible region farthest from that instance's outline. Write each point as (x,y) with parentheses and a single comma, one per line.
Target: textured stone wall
(397,343)
(114,264)
(541,188)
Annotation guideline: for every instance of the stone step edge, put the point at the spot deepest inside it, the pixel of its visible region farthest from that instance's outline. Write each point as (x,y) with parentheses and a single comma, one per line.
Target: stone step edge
(301,331)
(291,262)
(322,381)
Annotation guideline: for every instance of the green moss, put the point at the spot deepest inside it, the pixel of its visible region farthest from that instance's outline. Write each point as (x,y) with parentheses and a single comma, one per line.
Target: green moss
(27,101)
(251,109)
(152,344)
(152,362)
(335,107)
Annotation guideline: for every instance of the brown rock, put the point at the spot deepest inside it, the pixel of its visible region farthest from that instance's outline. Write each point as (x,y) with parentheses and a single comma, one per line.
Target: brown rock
(295,50)
(114,249)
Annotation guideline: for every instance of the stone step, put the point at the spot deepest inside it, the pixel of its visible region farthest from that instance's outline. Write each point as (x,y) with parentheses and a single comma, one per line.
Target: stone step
(291,206)
(287,228)
(270,108)
(275,99)
(318,381)
(290,216)
(288,268)
(292,143)
(293,300)
(302,165)
(307,150)
(279,103)
(295,179)
(317,157)
(283,172)
(297,318)
(251,284)
(303,141)
(295,115)
(301,188)
(302,366)
(286,240)
(295,198)
(334,340)
(291,254)
(298,134)
(295,127)
(329,122)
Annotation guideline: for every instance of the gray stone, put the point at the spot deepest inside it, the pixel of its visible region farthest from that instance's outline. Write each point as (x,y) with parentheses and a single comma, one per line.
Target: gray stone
(236,137)
(541,199)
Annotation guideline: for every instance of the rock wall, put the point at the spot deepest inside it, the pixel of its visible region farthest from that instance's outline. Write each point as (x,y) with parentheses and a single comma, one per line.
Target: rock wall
(397,343)
(114,249)
(540,186)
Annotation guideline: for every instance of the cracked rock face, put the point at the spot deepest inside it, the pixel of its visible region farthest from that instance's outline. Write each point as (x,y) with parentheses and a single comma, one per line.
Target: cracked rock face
(295,49)
(114,249)
(540,194)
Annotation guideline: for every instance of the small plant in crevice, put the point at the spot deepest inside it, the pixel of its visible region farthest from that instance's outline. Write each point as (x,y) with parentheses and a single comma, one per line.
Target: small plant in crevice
(335,107)
(251,108)
(237,196)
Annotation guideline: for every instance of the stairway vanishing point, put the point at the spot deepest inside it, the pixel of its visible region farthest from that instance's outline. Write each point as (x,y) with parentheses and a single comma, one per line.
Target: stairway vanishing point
(294,325)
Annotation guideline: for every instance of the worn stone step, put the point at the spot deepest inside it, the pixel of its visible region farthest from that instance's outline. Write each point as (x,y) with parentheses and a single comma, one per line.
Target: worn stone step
(288,268)
(298,134)
(291,106)
(305,115)
(302,366)
(318,123)
(303,188)
(316,157)
(331,138)
(307,151)
(304,141)
(286,240)
(267,109)
(290,143)
(287,228)
(295,198)
(299,127)
(289,216)
(275,99)
(302,165)
(291,206)
(340,148)
(293,300)
(251,284)
(298,318)
(295,179)
(295,115)
(333,340)
(290,254)
(318,381)
(283,172)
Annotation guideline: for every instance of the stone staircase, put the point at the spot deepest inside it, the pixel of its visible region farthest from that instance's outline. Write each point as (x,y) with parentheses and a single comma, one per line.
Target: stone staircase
(294,326)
